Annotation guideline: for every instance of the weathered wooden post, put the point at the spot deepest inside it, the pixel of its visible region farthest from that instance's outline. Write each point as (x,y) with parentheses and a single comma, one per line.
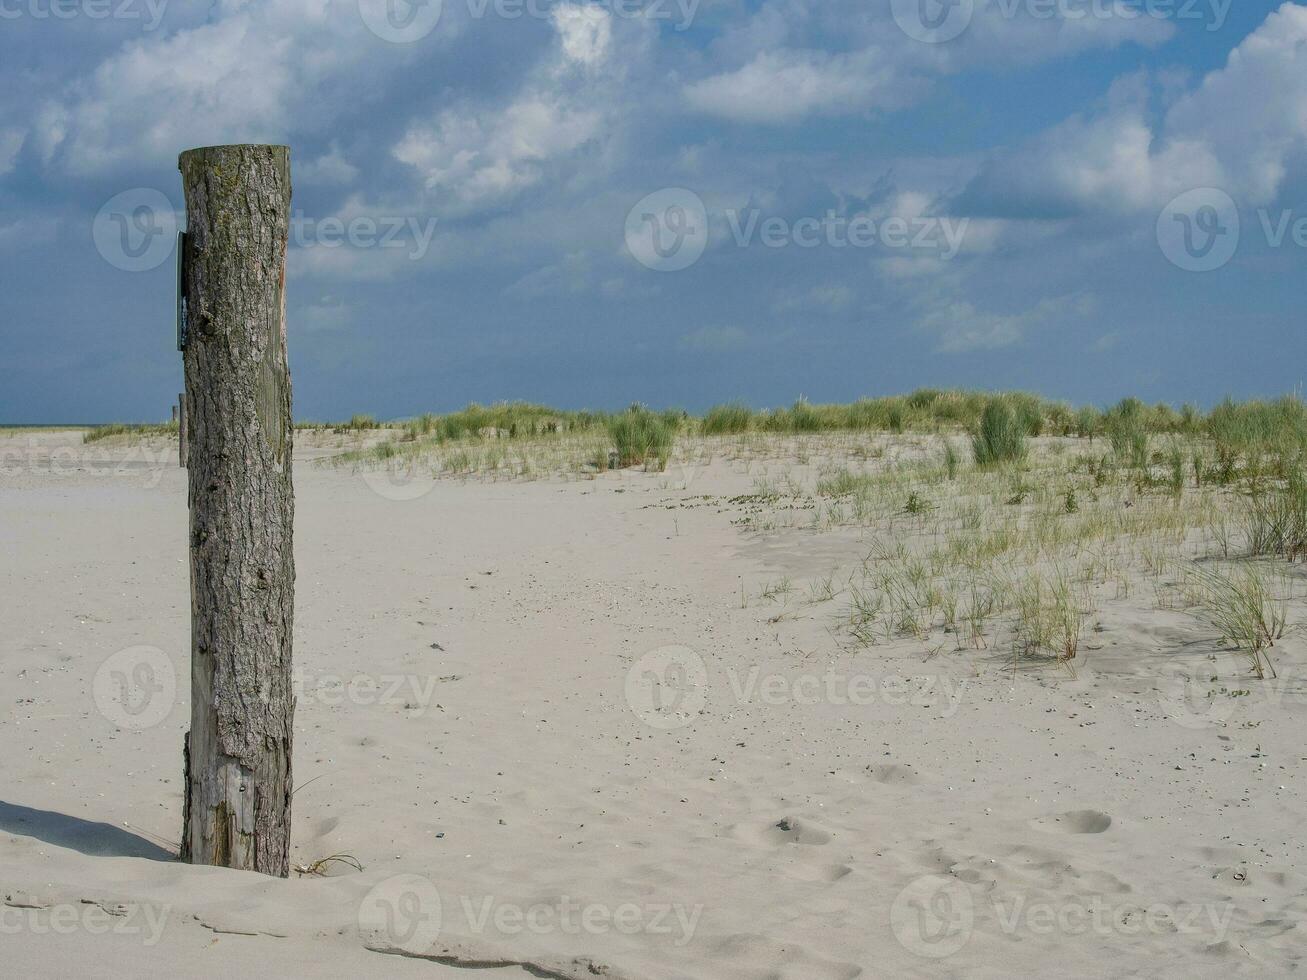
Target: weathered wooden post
(237,416)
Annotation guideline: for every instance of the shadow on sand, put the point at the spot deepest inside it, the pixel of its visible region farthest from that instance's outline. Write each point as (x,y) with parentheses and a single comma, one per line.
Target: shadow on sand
(87,836)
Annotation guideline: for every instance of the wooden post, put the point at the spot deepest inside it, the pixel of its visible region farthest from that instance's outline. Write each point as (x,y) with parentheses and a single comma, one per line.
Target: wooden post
(237,412)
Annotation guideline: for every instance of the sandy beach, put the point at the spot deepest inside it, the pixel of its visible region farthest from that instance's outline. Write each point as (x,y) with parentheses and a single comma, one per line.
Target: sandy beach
(565,732)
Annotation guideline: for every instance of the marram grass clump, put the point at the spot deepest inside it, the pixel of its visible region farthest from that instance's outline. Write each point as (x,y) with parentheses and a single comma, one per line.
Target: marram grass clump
(1001,435)
(642,438)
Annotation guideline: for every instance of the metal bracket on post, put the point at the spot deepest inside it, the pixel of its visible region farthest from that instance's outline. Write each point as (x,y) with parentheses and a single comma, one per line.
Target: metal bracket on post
(181,291)
(181,343)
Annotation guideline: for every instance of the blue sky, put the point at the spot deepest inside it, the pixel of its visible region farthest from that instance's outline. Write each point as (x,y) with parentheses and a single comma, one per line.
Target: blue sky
(670,201)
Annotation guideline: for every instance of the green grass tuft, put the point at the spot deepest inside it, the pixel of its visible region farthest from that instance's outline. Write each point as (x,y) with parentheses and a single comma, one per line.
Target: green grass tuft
(1001,435)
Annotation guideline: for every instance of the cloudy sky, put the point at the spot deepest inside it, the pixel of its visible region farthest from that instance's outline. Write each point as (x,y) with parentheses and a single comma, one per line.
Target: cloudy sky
(670,201)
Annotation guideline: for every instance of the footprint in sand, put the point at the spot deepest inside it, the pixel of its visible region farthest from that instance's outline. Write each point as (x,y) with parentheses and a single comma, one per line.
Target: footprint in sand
(821,873)
(791,830)
(894,775)
(1074,822)
(325,827)
(787,830)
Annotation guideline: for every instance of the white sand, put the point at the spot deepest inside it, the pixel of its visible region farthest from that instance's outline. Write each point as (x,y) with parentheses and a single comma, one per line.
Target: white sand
(1036,826)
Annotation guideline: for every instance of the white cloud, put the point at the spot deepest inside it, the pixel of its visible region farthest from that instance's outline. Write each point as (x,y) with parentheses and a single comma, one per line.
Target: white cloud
(786,86)
(830,297)
(961,327)
(1237,130)
(472,158)
(327,315)
(797,58)
(11,141)
(584,31)
(328,169)
(570,276)
(253,72)
(1007,32)
(1251,115)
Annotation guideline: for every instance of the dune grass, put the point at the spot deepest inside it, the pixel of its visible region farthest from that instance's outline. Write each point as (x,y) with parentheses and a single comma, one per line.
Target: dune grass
(643,438)
(130,431)
(1276,519)
(1247,606)
(1001,435)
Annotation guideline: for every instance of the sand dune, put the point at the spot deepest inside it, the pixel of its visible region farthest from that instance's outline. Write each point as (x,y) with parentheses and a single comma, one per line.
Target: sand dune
(475,728)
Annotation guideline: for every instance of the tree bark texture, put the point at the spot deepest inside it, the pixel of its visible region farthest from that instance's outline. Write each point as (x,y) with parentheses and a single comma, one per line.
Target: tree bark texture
(237,413)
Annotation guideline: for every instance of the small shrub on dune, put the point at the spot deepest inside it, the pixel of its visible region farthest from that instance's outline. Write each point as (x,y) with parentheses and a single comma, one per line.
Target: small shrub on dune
(805,418)
(359,423)
(727,419)
(137,431)
(641,437)
(1089,422)
(1125,427)
(1061,419)
(1029,412)
(1000,437)
(951,461)
(1276,521)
